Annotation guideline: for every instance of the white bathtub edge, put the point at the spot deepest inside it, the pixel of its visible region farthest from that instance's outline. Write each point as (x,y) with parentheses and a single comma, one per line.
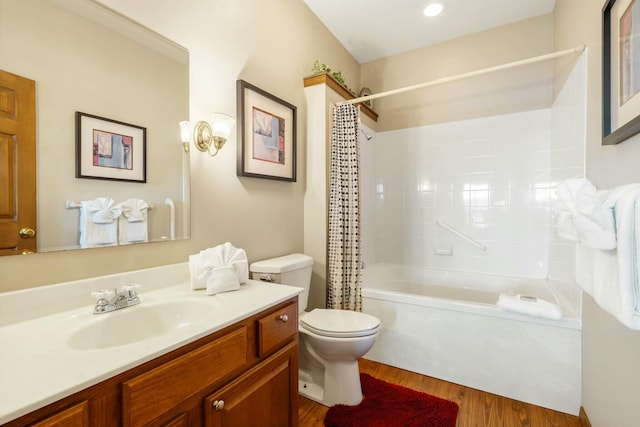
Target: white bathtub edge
(468,307)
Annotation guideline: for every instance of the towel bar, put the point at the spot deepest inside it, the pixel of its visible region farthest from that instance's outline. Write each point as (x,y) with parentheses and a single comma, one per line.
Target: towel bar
(70,204)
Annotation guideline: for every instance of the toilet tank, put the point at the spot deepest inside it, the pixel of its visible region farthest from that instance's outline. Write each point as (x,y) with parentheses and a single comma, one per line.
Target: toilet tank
(294,270)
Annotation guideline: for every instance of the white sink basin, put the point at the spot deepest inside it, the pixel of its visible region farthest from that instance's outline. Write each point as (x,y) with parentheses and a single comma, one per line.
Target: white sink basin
(137,323)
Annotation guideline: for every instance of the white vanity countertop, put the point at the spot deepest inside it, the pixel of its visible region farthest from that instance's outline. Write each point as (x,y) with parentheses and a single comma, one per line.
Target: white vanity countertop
(37,367)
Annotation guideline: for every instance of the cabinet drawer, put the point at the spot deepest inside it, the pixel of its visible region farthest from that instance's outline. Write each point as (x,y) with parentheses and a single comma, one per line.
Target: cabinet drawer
(276,328)
(77,415)
(147,396)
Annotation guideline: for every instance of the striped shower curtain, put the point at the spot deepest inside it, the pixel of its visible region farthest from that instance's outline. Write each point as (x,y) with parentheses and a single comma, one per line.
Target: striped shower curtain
(345,256)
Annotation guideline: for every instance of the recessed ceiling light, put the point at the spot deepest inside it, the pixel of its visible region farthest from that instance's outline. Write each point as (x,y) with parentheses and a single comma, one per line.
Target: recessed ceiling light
(433,9)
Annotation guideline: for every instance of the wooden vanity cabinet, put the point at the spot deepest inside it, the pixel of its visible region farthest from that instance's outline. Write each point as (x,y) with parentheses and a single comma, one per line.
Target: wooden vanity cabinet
(267,394)
(250,366)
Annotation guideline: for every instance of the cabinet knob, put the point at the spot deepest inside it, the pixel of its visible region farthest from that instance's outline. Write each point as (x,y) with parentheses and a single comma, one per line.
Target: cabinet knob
(284,318)
(218,405)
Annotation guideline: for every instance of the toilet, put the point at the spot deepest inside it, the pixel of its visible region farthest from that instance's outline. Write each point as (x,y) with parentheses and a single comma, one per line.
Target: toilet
(331,341)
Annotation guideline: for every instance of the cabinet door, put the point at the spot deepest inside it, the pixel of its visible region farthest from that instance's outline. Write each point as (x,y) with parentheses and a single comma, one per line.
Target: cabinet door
(266,396)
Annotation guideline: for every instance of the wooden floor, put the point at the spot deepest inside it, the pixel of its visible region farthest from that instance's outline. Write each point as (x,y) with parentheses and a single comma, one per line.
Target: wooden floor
(477,408)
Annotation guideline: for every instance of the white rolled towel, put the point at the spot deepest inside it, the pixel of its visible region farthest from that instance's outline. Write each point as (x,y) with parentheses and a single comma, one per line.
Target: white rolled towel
(528,305)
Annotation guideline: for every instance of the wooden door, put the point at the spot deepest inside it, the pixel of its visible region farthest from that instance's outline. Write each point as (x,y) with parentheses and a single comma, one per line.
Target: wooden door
(17,165)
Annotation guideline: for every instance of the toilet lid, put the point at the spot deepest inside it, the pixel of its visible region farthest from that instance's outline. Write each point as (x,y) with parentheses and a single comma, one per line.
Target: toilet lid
(340,323)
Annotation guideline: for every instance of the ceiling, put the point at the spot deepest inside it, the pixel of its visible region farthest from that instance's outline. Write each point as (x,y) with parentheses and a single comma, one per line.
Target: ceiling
(373,29)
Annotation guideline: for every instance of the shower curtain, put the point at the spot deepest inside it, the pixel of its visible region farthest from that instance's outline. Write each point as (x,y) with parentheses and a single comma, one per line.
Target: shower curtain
(345,255)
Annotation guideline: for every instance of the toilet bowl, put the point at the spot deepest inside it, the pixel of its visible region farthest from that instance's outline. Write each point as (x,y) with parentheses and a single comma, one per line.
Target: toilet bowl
(331,341)
(335,339)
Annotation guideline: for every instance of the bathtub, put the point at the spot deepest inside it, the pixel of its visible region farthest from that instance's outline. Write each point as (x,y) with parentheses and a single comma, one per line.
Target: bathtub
(447,325)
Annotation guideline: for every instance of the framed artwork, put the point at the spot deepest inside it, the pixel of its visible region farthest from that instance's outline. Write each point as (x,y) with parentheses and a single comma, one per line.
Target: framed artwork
(620,71)
(109,149)
(266,134)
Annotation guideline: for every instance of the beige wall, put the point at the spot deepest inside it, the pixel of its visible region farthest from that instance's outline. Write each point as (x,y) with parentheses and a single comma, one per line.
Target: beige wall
(270,44)
(610,351)
(519,89)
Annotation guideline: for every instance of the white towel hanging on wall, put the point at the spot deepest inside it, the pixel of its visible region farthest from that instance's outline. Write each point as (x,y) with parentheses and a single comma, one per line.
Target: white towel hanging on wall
(98,225)
(133,223)
(606,267)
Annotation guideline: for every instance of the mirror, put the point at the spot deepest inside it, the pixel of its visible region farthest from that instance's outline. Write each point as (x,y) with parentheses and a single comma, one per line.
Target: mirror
(87,58)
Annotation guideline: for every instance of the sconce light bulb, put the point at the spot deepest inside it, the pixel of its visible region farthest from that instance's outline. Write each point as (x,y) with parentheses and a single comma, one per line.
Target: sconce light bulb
(185,135)
(221,125)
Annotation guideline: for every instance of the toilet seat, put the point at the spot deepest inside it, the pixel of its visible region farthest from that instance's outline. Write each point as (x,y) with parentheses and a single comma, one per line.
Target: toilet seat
(339,323)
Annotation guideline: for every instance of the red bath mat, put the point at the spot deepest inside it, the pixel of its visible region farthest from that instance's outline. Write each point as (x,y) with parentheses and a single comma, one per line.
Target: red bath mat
(387,405)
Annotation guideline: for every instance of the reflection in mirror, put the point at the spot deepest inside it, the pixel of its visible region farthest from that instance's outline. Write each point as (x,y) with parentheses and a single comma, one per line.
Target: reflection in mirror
(84,57)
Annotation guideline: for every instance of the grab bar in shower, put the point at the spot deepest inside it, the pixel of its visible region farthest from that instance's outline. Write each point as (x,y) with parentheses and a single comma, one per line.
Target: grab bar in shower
(460,234)
(172,211)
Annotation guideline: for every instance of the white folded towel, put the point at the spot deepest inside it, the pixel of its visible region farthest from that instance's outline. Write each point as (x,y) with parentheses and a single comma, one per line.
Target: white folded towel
(611,276)
(531,306)
(222,279)
(584,214)
(221,267)
(133,224)
(98,225)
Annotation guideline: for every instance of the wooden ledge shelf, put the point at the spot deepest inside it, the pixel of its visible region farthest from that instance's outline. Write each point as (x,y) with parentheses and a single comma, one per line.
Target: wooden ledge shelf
(341,90)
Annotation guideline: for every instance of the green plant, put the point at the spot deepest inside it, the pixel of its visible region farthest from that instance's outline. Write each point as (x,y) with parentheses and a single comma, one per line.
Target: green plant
(319,68)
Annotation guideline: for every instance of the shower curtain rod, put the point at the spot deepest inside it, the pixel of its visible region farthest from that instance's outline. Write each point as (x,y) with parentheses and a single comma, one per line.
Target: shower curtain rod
(532,60)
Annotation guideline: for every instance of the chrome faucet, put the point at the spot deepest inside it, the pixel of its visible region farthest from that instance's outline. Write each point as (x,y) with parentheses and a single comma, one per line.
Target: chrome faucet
(111,300)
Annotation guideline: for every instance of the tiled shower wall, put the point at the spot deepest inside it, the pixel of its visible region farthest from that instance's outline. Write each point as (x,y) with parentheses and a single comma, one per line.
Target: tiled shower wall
(491,178)
(488,177)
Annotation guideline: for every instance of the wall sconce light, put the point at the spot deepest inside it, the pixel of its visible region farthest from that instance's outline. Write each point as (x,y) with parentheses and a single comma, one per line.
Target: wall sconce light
(207,136)
(185,135)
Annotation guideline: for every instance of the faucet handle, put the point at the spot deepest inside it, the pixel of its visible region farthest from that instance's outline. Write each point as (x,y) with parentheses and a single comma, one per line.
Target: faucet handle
(130,290)
(102,294)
